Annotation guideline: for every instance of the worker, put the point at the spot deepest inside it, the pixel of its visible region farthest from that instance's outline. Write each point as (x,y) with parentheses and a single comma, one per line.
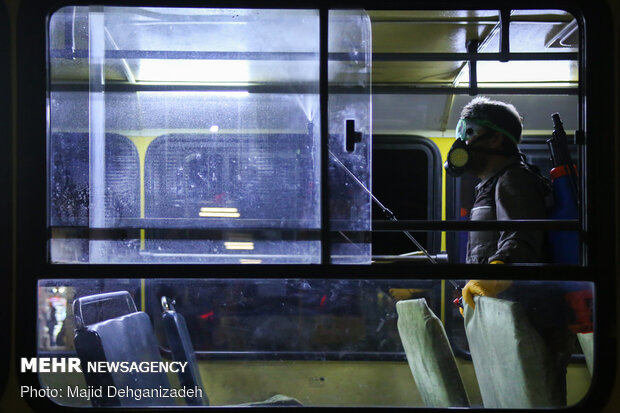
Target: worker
(488,135)
(487,138)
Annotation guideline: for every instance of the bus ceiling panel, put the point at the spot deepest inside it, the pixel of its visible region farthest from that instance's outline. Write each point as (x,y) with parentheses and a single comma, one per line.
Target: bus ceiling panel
(77,70)
(464,16)
(408,31)
(206,46)
(427,73)
(548,37)
(189,29)
(209,45)
(169,45)
(447,37)
(546,15)
(424,16)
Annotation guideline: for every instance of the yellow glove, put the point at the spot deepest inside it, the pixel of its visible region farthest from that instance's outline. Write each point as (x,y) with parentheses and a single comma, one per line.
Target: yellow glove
(489,288)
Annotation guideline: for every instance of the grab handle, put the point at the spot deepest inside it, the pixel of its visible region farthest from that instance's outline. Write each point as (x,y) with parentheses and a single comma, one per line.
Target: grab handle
(351,135)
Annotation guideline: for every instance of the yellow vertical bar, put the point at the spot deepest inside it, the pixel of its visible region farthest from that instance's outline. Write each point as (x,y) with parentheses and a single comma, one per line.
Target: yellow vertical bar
(142,294)
(142,144)
(443,302)
(444,145)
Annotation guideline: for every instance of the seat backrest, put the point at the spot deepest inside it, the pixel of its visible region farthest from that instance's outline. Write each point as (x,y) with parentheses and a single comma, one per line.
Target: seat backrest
(182,350)
(429,355)
(586,341)
(125,338)
(513,367)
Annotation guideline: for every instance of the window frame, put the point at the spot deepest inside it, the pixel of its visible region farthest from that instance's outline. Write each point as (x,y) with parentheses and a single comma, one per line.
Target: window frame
(599,212)
(6,172)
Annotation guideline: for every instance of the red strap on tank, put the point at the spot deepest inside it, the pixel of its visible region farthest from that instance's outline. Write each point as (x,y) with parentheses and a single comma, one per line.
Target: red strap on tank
(560,171)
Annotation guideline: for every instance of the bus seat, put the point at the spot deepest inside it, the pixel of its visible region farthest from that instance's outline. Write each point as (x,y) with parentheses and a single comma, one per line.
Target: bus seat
(429,355)
(513,367)
(128,336)
(586,341)
(182,350)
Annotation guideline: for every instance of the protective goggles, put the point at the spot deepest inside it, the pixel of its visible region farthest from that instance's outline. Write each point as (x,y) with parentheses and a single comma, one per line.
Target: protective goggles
(467,128)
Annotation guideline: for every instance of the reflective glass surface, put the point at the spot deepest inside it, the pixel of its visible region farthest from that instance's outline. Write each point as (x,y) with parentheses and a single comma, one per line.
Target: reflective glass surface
(320,342)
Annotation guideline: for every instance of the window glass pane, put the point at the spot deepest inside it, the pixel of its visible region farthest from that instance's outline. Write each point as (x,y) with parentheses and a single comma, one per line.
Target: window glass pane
(420,87)
(196,139)
(524,74)
(542,30)
(350,135)
(320,342)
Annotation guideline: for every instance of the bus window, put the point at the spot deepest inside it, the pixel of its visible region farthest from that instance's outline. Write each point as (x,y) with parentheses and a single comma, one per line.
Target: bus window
(543,81)
(197,138)
(245,136)
(283,331)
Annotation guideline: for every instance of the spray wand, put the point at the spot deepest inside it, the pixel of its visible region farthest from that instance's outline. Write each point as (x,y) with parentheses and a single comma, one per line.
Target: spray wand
(390,215)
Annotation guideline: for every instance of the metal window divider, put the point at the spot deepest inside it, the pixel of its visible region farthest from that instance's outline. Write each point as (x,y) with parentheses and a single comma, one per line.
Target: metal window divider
(504,35)
(324,110)
(472,48)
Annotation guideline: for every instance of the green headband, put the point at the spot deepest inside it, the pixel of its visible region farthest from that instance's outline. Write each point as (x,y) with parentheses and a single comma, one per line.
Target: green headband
(465,123)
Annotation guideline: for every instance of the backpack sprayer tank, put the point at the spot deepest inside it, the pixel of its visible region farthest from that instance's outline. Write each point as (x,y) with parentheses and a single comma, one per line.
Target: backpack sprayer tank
(564,245)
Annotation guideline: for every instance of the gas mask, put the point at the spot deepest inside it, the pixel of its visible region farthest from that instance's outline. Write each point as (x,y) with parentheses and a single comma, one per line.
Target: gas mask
(459,155)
